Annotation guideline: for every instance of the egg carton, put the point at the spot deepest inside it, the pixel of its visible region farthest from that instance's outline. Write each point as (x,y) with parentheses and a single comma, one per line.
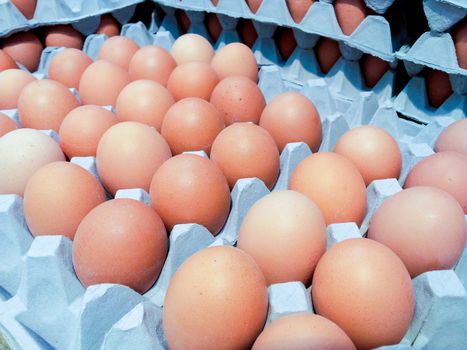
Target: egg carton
(443,14)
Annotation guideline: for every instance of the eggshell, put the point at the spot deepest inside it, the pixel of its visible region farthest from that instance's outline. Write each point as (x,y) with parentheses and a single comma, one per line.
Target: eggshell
(213,26)
(350,13)
(190,189)
(12,82)
(460,41)
(6,62)
(102,82)
(192,47)
(24,48)
(82,129)
(128,155)
(26,7)
(183,20)
(247,32)
(43,104)
(285,41)
(373,151)
(23,151)
(285,233)
(365,289)
(245,150)
(191,124)
(226,62)
(302,331)
(424,226)
(6,124)
(334,183)
(453,138)
(63,36)
(192,79)
(152,62)
(444,170)
(291,117)
(120,241)
(144,101)
(438,87)
(226,295)
(239,99)
(327,53)
(373,69)
(254,5)
(108,26)
(118,50)
(299,8)
(68,66)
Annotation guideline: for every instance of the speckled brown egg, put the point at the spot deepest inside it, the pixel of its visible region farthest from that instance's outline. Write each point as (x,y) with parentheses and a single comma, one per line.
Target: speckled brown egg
(63,36)
(25,48)
(26,7)
(6,62)
(108,26)
(152,62)
(118,50)
(373,69)
(6,124)
(225,62)
(192,48)
(68,66)
(327,53)
(453,138)
(299,8)
(438,87)
(350,13)
(12,82)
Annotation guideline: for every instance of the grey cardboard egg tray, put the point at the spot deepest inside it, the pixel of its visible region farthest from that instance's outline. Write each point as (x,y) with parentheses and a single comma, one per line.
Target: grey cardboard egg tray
(443,14)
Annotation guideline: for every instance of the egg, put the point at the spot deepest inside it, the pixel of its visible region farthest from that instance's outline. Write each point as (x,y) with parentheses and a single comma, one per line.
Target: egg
(63,36)
(285,41)
(192,79)
(327,53)
(299,8)
(239,99)
(190,189)
(183,20)
(349,14)
(43,104)
(225,62)
(192,47)
(23,152)
(82,129)
(363,287)
(302,331)
(245,150)
(25,48)
(153,63)
(254,5)
(6,62)
(26,7)
(101,83)
(247,32)
(373,69)
(227,299)
(291,117)
(6,124)
(459,36)
(213,26)
(429,232)
(108,26)
(60,187)
(444,170)
(144,101)
(285,233)
(12,82)
(118,50)
(128,155)
(373,151)
(438,87)
(453,138)
(68,66)
(191,124)
(334,184)
(123,228)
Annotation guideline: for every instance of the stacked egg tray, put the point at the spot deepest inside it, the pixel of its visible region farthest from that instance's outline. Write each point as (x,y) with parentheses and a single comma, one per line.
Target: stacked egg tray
(44,306)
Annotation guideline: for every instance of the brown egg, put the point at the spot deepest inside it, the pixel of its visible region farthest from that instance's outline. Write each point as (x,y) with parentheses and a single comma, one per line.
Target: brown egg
(191,189)
(459,36)
(68,66)
(302,331)
(102,82)
(373,69)
(120,241)
(444,170)
(43,104)
(438,87)
(453,138)
(213,26)
(192,79)
(108,26)
(285,233)
(227,297)
(291,117)
(63,36)
(60,188)
(239,99)
(350,13)
(128,155)
(334,184)
(424,226)
(374,152)
(365,289)
(6,124)
(82,129)
(299,8)
(225,62)
(12,82)
(192,124)
(254,5)
(144,101)
(327,53)
(192,47)
(152,62)
(285,41)
(26,7)
(25,48)
(23,152)
(247,32)
(245,150)
(6,62)
(183,20)
(118,50)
